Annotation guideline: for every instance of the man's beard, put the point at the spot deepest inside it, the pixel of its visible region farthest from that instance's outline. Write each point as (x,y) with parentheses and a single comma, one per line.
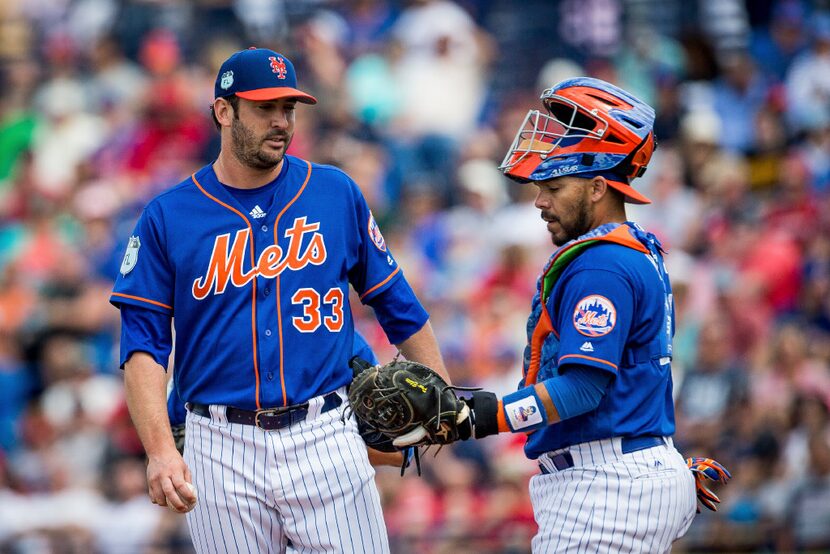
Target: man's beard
(577,227)
(248,149)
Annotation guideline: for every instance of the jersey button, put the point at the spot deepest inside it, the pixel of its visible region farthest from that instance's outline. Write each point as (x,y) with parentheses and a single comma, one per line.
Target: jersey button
(267,291)
(270,376)
(264,227)
(268,332)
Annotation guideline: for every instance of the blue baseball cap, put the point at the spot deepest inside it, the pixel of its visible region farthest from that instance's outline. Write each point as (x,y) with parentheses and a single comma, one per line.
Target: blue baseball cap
(259,74)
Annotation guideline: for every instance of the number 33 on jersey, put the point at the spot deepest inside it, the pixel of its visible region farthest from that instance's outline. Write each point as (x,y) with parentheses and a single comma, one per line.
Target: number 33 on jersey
(277,284)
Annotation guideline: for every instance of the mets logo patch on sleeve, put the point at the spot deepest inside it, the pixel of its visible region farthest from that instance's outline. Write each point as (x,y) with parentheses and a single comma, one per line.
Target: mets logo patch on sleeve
(375,234)
(595,316)
(131,255)
(523,413)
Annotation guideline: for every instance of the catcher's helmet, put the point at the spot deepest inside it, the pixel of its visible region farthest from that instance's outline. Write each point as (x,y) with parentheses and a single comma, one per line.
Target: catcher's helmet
(591,127)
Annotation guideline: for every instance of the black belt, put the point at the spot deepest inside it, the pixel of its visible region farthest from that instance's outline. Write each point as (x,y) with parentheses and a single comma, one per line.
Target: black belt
(565,460)
(269,419)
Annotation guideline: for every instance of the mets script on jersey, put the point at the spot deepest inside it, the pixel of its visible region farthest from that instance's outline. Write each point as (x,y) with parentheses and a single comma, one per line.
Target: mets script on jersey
(226,264)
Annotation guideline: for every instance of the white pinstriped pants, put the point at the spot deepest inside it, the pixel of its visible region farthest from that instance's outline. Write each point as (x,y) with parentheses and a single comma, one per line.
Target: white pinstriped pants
(613,502)
(311,483)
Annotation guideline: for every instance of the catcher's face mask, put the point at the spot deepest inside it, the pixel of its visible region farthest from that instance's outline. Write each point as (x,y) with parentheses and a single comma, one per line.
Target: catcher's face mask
(589,126)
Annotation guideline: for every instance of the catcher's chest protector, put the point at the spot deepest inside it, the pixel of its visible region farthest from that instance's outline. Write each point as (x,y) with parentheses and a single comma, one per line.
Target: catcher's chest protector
(543,327)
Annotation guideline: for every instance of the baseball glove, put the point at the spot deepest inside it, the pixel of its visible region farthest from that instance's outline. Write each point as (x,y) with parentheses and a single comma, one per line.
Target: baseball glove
(178,437)
(374,439)
(707,469)
(410,403)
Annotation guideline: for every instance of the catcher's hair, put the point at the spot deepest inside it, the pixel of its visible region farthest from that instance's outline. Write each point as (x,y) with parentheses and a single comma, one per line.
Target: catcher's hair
(233,100)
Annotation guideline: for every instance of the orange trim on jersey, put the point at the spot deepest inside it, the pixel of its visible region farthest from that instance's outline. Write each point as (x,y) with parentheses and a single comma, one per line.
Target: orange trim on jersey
(587,358)
(501,418)
(277,293)
(622,235)
(253,288)
(543,328)
(376,287)
(142,299)
(547,402)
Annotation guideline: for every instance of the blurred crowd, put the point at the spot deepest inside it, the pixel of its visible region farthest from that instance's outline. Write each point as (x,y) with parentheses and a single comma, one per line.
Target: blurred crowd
(104,103)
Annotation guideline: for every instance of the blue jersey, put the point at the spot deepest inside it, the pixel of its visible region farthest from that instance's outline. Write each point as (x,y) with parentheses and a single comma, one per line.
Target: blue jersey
(605,302)
(260,302)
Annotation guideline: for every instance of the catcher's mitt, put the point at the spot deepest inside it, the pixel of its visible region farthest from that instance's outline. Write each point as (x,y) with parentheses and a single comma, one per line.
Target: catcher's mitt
(178,437)
(411,403)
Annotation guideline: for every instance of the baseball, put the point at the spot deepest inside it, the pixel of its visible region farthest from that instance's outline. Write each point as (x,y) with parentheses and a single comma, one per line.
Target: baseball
(192,489)
(189,506)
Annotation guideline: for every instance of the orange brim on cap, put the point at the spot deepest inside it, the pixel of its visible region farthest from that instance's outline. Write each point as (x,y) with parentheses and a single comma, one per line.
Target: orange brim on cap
(631,195)
(275,93)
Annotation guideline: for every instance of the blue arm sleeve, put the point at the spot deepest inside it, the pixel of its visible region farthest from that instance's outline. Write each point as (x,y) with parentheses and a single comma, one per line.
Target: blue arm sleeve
(578,390)
(398,311)
(145,330)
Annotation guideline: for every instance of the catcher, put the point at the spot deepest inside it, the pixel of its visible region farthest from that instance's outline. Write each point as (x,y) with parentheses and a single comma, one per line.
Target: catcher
(595,397)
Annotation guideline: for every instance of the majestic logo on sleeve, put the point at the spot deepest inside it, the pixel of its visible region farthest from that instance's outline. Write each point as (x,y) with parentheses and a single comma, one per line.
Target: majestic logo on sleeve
(130,256)
(375,234)
(228,260)
(595,316)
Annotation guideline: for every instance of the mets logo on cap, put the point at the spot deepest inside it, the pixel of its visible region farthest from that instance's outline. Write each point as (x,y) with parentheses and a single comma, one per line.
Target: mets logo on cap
(278,66)
(595,316)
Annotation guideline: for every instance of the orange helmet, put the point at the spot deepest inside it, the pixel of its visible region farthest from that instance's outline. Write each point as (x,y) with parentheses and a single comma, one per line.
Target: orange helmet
(591,127)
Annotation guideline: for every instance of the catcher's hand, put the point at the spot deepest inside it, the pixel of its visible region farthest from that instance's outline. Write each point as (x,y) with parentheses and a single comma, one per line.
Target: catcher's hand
(408,402)
(707,468)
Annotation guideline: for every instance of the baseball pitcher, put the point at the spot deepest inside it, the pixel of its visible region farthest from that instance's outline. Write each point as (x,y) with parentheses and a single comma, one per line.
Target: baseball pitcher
(252,257)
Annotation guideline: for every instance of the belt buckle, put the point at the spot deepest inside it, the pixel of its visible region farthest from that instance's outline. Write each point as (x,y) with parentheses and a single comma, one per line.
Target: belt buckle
(281,413)
(268,412)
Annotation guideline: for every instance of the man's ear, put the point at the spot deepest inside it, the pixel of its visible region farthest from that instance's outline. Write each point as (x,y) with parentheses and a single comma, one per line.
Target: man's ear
(223,111)
(599,187)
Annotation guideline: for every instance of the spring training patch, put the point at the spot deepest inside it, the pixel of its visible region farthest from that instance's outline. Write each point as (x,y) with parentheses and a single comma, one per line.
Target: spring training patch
(131,255)
(227,80)
(595,316)
(523,413)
